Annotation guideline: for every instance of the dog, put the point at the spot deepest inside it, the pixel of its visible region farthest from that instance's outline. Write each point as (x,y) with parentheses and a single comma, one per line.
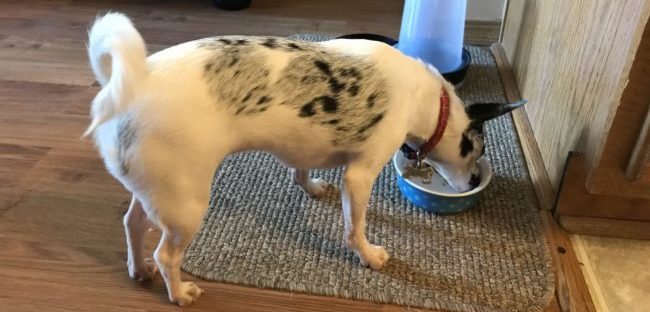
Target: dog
(163,123)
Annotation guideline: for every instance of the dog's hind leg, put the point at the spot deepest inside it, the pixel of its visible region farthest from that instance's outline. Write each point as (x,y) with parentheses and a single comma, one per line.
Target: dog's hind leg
(314,187)
(179,203)
(169,255)
(180,217)
(357,186)
(135,225)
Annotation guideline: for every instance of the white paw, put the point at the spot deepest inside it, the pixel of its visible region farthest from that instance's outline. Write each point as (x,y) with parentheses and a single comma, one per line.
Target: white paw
(145,271)
(317,187)
(187,293)
(373,256)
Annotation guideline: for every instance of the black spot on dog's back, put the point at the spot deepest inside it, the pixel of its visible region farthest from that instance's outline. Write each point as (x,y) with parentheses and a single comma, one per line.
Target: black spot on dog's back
(373,122)
(207,67)
(466,146)
(330,104)
(293,46)
(247,97)
(335,85)
(353,90)
(312,79)
(263,100)
(371,100)
(351,72)
(307,110)
(342,129)
(225,41)
(324,67)
(270,43)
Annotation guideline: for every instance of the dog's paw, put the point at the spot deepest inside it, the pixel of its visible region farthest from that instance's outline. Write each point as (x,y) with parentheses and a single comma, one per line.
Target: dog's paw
(317,187)
(146,271)
(187,293)
(373,256)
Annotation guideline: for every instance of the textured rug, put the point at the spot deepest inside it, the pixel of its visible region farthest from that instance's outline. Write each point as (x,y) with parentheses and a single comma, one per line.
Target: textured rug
(262,231)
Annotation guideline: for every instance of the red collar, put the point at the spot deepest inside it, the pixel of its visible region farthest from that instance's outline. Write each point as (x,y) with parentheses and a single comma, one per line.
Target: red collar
(443,117)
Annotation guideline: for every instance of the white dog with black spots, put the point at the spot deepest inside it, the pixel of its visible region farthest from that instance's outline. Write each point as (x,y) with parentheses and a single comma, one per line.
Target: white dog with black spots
(163,123)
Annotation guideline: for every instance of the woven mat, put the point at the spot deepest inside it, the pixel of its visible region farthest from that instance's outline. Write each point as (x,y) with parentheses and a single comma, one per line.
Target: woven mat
(262,231)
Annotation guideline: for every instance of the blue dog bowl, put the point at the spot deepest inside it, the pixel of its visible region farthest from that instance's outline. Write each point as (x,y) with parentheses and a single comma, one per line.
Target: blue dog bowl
(437,196)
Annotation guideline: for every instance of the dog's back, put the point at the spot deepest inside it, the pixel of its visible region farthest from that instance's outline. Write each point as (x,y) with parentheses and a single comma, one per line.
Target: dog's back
(266,93)
(344,95)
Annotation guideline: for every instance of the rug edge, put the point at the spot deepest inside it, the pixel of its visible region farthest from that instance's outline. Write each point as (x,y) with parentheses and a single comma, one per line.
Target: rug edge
(290,287)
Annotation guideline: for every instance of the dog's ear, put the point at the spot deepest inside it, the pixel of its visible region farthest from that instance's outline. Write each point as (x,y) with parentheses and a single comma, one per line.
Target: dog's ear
(481,112)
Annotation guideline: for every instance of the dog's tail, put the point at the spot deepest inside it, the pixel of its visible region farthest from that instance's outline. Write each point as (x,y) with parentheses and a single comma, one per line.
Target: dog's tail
(118,57)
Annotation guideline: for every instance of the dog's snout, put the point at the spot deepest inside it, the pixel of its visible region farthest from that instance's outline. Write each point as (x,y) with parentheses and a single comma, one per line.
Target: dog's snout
(474,181)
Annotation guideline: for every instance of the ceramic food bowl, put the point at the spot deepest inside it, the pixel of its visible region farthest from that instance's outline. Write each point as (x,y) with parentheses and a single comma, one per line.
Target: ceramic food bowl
(436,195)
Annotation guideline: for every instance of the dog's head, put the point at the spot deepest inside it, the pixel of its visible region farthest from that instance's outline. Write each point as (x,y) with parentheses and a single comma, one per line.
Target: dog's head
(457,160)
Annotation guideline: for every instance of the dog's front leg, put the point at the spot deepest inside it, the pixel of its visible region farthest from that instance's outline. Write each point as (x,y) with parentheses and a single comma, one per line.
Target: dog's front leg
(357,186)
(314,187)
(135,225)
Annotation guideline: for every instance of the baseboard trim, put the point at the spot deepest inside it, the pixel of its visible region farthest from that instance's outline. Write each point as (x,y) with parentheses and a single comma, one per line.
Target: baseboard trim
(546,194)
(571,291)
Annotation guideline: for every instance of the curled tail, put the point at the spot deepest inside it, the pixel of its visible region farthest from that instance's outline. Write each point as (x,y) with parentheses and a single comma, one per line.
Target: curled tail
(118,57)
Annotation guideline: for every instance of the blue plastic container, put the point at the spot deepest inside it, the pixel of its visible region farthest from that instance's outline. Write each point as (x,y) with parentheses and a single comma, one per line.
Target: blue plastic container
(433,30)
(438,197)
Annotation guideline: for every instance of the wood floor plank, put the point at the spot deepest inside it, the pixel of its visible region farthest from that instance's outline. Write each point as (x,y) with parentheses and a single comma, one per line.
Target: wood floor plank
(16,160)
(45,98)
(90,279)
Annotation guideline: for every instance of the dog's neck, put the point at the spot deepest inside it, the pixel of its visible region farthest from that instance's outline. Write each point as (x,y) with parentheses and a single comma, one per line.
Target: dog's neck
(425,118)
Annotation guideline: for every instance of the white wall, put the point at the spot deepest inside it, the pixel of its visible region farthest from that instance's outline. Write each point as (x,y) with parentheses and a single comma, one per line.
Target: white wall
(484,10)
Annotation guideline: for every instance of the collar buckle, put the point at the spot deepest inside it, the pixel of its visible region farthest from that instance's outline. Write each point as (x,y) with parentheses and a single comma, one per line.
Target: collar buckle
(418,158)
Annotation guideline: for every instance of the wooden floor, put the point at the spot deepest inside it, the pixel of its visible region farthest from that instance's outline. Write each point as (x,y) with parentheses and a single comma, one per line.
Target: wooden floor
(61,239)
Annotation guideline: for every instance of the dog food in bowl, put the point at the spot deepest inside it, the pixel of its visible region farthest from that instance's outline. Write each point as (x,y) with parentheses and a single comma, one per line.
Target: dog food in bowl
(432,193)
